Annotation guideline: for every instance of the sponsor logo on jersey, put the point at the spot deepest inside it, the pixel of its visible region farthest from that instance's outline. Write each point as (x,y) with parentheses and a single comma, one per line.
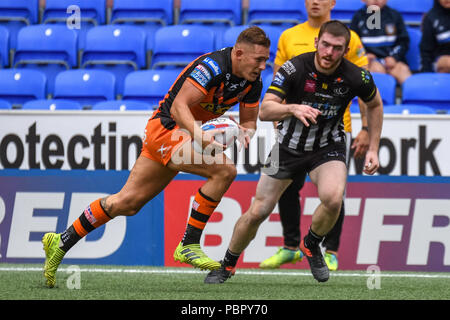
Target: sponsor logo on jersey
(203,70)
(279,79)
(341,91)
(289,67)
(365,76)
(199,77)
(214,108)
(310,86)
(214,65)
(164,150)
(328,110)
(313,75)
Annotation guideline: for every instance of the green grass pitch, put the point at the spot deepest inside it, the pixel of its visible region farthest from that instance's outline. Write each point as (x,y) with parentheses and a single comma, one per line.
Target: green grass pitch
(26,282)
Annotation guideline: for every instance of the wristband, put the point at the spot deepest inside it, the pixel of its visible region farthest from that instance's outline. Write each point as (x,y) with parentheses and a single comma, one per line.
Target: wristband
(365,128)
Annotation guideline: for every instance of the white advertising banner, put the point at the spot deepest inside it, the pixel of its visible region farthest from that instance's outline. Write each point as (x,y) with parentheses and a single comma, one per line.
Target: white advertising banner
(410,145)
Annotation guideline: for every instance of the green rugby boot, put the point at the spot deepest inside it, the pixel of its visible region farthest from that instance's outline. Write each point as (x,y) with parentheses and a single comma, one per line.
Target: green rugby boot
(331,261)
(282,256)
(192,254)
(53,257)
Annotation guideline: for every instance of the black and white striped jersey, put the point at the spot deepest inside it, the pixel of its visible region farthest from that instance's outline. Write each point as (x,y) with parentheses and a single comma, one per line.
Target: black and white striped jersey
(299,82)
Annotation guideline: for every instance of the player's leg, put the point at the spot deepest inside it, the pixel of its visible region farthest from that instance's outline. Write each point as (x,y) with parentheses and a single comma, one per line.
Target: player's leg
(332,239)
(330,178)
(146,180)
(220,173)
(268,192)
(289,210)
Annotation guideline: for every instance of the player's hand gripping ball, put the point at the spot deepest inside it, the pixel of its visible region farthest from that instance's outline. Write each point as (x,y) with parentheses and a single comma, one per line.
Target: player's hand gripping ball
(229,132)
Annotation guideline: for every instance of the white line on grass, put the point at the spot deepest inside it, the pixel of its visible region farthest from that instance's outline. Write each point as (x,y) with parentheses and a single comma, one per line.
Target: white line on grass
(239,271)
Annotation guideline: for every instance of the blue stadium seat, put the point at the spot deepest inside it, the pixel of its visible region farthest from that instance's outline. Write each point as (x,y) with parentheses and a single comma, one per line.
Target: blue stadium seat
(413,54)
(177,46)
(85,86)
(430,89)
(18,86)
(274,34)
(147,14)
(159,12)
(411,10)
(92,13)
(122,105)
(386,85)
(119,49)
(408,109)
(15,14)
(212,11)
(217,15)
(231,34)
(5,105)
(52,104)
(354,107)
(47,48)
(4,47)
(149,85)
(344,10)
(286,13)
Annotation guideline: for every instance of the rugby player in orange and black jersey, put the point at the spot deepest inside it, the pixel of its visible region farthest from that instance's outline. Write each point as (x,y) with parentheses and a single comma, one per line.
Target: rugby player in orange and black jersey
(298,81)
(212,74)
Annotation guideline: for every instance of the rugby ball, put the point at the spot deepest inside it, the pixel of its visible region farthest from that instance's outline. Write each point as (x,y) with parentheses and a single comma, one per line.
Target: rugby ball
(230,128)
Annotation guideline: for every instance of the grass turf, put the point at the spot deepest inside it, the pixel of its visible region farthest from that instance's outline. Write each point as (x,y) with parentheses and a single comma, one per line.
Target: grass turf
(26,282)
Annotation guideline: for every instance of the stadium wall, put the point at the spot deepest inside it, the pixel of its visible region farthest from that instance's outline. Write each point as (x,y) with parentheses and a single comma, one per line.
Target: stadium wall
(54,164)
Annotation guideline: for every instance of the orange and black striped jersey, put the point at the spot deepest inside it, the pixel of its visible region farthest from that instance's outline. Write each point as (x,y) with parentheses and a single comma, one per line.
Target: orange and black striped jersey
(211,74)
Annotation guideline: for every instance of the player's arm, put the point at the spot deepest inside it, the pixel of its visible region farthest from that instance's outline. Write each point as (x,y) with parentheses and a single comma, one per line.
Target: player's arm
(276,67)
(272,109)
(361,142)
(358,56)
(247,124)
(190,95)
(375,122)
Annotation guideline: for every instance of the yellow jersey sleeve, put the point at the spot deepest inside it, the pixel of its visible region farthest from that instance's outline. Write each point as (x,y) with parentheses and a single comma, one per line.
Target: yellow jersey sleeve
(295,41)
(280,57)
(356,53)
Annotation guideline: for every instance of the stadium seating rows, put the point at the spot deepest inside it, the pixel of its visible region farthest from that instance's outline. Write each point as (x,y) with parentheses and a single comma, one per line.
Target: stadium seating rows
(153,40)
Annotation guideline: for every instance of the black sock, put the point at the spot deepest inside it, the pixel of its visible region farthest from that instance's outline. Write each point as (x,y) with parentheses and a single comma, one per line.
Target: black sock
(231,258)
(312,240)
(191,235)
(68,239)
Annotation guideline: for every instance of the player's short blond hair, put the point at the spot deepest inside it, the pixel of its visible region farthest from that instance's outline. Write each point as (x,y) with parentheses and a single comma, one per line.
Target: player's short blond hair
(254,35)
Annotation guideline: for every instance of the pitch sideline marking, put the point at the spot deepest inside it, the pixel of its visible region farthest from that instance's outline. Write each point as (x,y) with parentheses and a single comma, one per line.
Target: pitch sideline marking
(240,271)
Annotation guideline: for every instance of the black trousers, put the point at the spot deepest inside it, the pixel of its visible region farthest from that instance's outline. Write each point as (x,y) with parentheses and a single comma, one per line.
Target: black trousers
(289,209)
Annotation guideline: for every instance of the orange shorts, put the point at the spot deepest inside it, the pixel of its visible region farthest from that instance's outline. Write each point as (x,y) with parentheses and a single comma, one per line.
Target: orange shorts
(160,143)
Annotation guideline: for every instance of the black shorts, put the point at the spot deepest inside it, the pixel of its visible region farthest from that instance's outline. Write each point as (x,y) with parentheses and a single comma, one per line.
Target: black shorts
(286,163)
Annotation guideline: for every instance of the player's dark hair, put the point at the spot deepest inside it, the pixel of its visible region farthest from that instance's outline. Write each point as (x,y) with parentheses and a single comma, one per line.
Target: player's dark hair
(337,29)
(254,35)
